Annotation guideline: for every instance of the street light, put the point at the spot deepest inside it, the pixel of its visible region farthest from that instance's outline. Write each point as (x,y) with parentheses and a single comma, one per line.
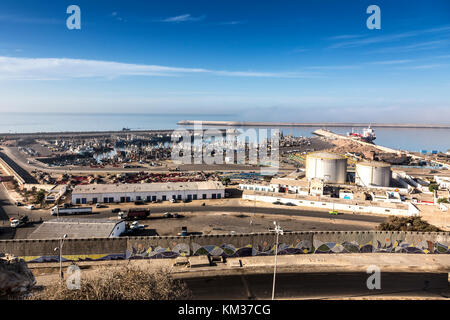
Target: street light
(61,243)
(278,231)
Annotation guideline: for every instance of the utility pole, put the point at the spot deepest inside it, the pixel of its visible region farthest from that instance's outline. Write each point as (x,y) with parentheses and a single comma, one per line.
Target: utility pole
(61,243)
(278,231)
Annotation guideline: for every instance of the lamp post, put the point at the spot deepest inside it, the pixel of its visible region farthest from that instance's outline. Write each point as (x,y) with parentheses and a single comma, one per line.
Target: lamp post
(61,243)
(278,231)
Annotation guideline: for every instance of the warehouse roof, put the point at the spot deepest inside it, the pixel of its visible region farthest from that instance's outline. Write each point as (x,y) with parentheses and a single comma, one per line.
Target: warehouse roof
(148,187)
(74,228)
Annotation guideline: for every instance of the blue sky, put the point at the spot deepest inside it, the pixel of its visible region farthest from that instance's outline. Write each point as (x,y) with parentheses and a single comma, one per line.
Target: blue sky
(255,60)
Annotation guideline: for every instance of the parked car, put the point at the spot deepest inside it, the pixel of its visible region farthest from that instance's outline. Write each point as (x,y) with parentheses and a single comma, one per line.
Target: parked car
(167,215)
(30,207)
(115,210)
(183,232)
(19,222)
(173,200)
(276,202)
(136,226)
(18,203)
(290,204)
(139,202)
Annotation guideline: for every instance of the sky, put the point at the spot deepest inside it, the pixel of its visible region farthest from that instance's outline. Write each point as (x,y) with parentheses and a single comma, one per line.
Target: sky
(296,61)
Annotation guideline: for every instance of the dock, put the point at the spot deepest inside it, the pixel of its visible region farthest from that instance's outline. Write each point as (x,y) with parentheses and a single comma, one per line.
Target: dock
(332,135)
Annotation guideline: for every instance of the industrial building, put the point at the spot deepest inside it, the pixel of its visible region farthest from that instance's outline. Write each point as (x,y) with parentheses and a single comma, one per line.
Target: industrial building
(117,193)
(368,174)
(78,228)
(328,167)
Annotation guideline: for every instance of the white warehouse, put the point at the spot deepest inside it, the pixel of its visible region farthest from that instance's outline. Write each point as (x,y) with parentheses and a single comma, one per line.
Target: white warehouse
(116,193)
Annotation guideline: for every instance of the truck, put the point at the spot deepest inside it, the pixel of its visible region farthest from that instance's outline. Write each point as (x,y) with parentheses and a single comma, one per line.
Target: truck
(69,211)
(135,214)
(18,222)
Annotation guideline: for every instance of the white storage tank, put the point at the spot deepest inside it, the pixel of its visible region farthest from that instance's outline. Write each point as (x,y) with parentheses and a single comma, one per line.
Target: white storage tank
(329,167)
(373,173)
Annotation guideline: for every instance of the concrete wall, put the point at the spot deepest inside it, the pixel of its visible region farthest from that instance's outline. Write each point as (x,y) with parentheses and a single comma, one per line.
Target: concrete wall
(6,168)
(240,245)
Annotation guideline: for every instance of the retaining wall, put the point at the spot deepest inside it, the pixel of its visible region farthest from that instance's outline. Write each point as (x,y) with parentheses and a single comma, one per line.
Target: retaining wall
(239,245)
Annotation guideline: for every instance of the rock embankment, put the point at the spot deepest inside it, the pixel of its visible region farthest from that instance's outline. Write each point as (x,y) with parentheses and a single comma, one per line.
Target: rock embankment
(15,277)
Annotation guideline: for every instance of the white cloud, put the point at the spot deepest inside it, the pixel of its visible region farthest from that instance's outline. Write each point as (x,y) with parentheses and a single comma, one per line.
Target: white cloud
(236,22)
(387,38)
(426,66)
(183,18)
(12,68)
(393,61)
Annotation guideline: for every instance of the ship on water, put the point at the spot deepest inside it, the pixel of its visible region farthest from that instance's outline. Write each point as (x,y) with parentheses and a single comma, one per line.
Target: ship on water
(367,135)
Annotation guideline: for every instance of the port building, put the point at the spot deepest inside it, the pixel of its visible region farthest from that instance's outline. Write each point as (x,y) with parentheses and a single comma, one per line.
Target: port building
(121,193)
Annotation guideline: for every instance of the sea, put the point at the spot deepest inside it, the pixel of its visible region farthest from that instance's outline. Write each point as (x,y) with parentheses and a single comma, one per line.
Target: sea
(412,139)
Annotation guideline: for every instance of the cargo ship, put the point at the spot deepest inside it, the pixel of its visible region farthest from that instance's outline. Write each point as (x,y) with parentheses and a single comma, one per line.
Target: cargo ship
(367,135)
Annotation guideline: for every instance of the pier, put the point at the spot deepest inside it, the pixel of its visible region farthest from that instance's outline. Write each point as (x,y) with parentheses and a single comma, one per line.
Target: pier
(312,124)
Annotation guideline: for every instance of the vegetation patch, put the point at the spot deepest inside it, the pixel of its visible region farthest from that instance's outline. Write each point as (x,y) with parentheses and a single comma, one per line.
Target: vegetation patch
(126,283)
(394,223)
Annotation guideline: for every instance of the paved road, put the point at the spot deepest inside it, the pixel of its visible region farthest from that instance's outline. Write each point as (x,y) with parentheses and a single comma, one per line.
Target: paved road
(317,285)
(22,233)
(8,209)
(260,210)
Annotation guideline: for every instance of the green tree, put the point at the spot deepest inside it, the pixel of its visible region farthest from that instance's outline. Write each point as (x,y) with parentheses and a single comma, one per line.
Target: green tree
(40,196)
(226,180)
(432,187)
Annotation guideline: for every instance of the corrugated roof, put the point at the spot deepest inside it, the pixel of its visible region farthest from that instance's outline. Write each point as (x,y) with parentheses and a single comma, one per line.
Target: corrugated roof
(74,228)
(148,187)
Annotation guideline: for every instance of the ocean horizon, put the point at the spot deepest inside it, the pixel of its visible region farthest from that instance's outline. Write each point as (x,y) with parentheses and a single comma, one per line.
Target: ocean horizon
(412,139)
